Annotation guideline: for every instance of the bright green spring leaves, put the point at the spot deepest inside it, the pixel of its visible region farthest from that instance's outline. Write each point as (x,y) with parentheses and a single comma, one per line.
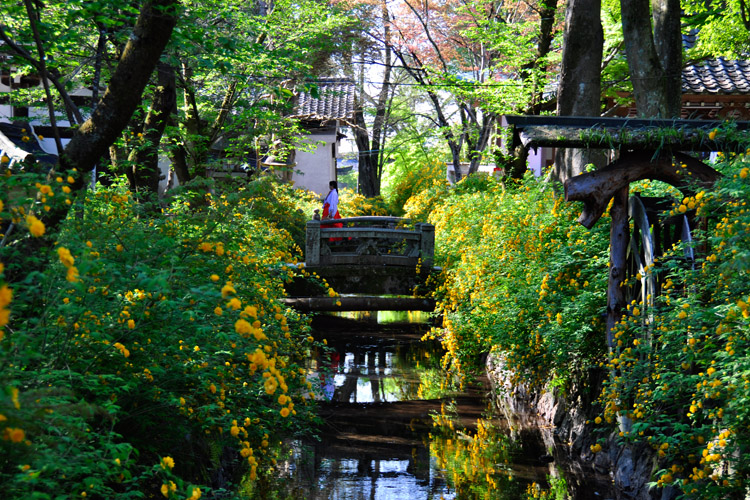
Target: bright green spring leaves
(166,345)
(521,277)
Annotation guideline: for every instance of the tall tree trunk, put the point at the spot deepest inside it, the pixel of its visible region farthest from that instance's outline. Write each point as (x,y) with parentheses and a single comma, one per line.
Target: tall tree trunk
(370,154)
(668,40)
(145,162)
(579,93)
(477,147)
(646,72)
(92,140)
(366,164)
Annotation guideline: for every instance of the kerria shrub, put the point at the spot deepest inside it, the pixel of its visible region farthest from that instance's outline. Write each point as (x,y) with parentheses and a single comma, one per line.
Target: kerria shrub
(520,277)
(681,369)
(145,354)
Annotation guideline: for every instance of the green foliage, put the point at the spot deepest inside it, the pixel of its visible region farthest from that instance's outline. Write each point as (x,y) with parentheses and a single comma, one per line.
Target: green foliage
(520,277)
(411,175)
(720,27)
(134,324)
(680,368)
(352,204)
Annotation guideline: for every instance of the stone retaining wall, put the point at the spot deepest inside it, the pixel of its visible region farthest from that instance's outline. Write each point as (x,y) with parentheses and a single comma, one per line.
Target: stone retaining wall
(560,418)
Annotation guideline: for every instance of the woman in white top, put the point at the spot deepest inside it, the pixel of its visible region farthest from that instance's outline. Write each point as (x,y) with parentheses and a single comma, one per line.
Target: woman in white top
(331,207)
(331,202)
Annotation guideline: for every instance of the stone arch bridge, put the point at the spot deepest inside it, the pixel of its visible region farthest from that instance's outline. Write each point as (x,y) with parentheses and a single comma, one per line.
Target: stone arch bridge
(375,263)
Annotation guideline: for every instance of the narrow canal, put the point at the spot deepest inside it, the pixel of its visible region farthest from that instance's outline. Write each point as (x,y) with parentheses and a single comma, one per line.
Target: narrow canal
(393,428)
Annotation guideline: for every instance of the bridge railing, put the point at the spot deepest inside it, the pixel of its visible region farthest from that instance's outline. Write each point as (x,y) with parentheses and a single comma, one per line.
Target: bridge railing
(374,241)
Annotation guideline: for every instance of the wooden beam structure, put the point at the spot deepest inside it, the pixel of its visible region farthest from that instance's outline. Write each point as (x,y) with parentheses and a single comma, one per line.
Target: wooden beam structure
(596,188)
(626,133)
(644,149)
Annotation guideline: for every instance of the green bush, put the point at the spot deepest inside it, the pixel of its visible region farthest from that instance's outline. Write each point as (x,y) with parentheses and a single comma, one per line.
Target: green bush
(520,276)
(146,353)
(681,372)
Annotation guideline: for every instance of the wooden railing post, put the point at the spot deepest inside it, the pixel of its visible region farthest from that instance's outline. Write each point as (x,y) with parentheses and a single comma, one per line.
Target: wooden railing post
(312,243)
(426,242)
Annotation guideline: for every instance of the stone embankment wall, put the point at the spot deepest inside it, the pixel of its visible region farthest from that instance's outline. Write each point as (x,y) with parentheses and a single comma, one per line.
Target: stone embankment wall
(619,472)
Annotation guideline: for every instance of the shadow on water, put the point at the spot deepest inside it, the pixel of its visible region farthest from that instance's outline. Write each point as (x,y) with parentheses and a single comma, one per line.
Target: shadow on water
(394,428)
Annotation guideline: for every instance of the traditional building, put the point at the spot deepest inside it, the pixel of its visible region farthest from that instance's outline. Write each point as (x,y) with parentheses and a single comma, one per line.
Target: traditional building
(322,118)
(715,89)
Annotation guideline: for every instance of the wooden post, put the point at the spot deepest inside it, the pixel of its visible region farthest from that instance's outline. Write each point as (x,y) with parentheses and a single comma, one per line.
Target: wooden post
(619,234)
(312,243)
(426,243)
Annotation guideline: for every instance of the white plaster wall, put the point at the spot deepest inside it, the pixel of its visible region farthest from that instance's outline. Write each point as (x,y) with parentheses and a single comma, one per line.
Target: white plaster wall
(540,159)
(6,110)
(315,169)
(170,178)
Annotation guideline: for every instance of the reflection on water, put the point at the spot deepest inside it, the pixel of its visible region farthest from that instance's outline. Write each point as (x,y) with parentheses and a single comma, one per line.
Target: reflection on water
(393,428)
(374,370)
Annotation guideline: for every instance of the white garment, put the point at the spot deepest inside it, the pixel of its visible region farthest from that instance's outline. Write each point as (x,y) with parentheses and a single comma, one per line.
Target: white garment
(333,202)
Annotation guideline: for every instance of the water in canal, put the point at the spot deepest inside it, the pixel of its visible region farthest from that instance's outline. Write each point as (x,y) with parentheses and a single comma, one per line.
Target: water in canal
(393,427)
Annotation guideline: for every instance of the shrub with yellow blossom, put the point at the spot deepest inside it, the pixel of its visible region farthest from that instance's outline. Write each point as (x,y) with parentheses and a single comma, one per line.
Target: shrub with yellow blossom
(117,340)
(520,277)
(680,369)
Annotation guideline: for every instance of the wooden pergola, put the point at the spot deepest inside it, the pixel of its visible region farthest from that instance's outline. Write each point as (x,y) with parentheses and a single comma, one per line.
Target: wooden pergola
(645,149)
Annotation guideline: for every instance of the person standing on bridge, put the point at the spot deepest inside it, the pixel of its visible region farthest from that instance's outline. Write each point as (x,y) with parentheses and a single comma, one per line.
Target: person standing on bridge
(331,207)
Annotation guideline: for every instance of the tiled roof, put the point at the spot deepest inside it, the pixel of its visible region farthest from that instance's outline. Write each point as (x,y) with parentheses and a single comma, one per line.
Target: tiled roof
(18,150)
(717,76)
(335,101)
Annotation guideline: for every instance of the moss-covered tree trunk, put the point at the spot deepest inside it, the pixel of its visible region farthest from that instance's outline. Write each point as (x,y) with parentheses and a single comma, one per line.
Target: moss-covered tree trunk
(150,36)
(580,80)
(145,159)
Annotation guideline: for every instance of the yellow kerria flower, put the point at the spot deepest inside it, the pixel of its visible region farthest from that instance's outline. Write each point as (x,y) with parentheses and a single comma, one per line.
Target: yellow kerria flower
(6,295)
(123,350)
(14,434)
(167,463)
(242,327)
(14,397)
(196,494)
(65,257)
(251,311)
(218,311)
(270,385)
(284,412)
(72,274)
(131,324)
(214,277)
(227,289)
(36,227)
